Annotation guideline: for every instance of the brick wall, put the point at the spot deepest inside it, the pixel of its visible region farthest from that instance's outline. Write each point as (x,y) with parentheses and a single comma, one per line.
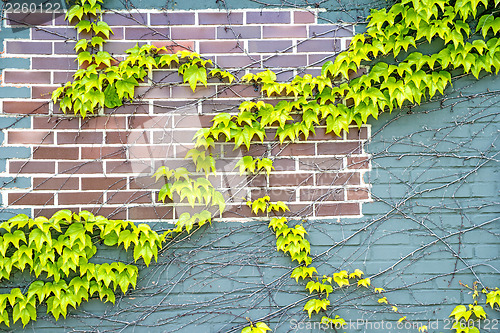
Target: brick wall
(104,164)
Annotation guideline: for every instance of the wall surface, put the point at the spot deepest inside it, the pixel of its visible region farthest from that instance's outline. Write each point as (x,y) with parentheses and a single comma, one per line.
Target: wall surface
(412,199)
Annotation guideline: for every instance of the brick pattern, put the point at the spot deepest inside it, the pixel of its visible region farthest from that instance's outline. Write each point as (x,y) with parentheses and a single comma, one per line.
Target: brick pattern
(104,164)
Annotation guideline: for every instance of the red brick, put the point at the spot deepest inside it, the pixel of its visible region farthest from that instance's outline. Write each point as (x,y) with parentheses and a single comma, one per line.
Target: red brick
(286,60)
(80,198)
(119,47)
(256,150)
(146,182)
(339,148)
(153,92)
(237,211)
(319,45)
(56,153)
(55,123)
(338,179)
(64,47)
(104,122)
(222,18)
(357,134)
(56,184)
(284,164)
(63,63)
(79,138)
(284,31)
(64,33)
(134,167)
(187,92)
(30,18)
(25,107)
(246,32)
(166,77)
(239,91)
(281,194)
(168,106)
(219,105)
(127,137)
(97,153)
(193,33)
(270,46)
(148,122)
(320,163)
(31,167)
(238,61)
(150,212)
(42,92)
(268,17)
(173,47)
(80,167)
(149,33)
(358,194)
(30,137)
(225,46)
(192,121)
(358,162)
(120,19)
(31,199)
(303,17)
(338,209)
(322,135)
(299,210)
(175,136)
(318,194)
(28,47)
(126,197)
(148,152)
(25,77)
(63,77)
(294,149)
(290,179)
(172,18)
(103,183)
(329,31)
(46,212)
(116,213)
(128,109)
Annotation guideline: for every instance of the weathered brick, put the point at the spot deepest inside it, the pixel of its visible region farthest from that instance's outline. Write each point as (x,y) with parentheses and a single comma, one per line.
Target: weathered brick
(321,194)
(338,209)
(126,197)
(80,167)
(149,33)
(303,17)
(339,148)
(338,179)
(290,179)
(264,17)
(97,153)
(56,153)
(102,183)
(284,31)
(150,212)
(222,18)
(80,198)
(30,137)
(28,47)
(225,46)
(193,32)
(25,107)
(31,167)
(329,30)
(25,77)
(68,138)
(56,183)
(269,46)
(172,18)
(246,32)
(31,199)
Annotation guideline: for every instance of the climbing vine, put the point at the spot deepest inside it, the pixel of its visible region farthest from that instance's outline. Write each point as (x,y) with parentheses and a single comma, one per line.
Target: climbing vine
(465,31)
